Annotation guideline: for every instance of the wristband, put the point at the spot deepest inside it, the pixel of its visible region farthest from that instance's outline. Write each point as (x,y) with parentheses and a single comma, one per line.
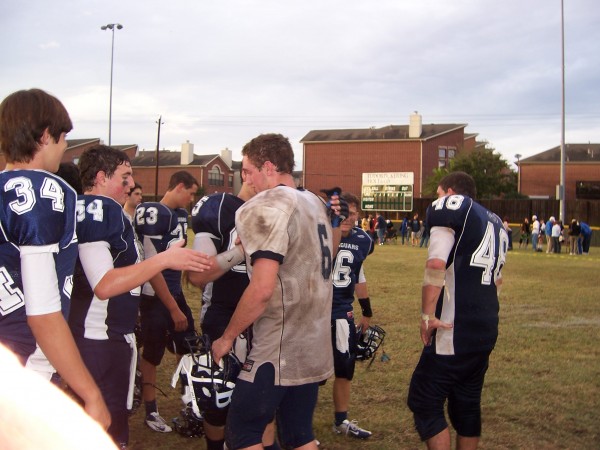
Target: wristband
(365,306)
(227,260)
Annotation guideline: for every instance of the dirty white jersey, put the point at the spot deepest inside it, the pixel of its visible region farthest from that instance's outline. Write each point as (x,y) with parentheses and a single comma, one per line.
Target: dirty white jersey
(291,227)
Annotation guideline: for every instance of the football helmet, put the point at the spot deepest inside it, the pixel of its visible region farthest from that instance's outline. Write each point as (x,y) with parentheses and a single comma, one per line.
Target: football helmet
(368,342)
(188,424)
(207,385)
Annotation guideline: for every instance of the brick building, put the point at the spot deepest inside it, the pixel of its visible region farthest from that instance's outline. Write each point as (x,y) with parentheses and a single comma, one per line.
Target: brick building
(75,147)
(340,157)
(540,174)
(213,172)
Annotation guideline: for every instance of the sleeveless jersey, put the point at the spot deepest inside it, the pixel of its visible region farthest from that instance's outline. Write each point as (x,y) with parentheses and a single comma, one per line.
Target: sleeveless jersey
(37,208)
(353,250)
(215,215)
(101,219)
(158,226)
(291,227)
(469,298)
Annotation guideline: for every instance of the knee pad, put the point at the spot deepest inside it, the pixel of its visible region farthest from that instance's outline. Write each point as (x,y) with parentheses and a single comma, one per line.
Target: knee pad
(153,352)
(428,425)
(216,418)
(465,417)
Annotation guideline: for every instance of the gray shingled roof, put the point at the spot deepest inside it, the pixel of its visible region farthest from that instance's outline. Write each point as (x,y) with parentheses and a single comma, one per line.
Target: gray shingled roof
(168,158)
(71,143)
(389,132)
(76,142)
(573,153)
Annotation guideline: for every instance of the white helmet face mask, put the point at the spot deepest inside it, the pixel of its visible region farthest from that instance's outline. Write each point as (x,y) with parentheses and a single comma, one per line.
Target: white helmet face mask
(368,342)
(208,385)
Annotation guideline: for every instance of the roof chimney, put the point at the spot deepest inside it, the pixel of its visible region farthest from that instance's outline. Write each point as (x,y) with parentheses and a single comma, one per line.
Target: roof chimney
(187,153)
(415,127)
(227,156)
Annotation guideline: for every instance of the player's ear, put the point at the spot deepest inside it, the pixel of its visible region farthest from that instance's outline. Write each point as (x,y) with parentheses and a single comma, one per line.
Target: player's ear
(270,167)
(45,139)
(100,178)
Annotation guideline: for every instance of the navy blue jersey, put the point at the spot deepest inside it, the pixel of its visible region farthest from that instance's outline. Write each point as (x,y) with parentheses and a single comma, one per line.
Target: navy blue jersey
(353,250)
(158,226)
(101,220)
(215,215)
(469,298)
(37,208)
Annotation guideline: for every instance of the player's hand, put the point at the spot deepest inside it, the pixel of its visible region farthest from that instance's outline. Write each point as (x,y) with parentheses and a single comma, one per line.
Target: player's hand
(364,323)
(98,411)
(238,241)
(428,327)
(180,322)
(220,348)
(338,207)
(179,258)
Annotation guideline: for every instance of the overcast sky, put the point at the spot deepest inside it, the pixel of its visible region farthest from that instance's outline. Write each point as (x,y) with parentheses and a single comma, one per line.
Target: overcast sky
(222,72)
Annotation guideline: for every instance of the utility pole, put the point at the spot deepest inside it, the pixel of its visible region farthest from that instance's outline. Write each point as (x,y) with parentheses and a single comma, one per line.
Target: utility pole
(518,156)
(561,189)
(159,122)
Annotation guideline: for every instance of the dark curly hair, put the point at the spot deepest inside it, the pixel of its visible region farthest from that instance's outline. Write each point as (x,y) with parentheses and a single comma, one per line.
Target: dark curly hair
(99,158)
(270,147)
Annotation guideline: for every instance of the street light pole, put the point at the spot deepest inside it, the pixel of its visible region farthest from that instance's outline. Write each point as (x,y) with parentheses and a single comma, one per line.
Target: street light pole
(562,190)
(111,26)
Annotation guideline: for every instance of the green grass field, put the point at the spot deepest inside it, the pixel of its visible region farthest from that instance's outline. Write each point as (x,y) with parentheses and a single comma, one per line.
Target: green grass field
(542,389)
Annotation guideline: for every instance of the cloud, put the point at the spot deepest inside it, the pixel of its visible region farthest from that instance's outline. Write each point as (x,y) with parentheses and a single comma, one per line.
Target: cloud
(49,45)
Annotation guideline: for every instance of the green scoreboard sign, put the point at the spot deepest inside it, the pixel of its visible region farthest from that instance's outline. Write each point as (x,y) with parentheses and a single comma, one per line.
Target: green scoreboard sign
(391,191)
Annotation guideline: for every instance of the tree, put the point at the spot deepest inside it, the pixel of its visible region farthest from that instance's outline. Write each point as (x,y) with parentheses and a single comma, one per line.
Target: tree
(493,177)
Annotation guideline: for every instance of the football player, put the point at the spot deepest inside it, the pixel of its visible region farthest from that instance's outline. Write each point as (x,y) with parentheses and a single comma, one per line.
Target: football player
(133,200)
(289,243)
(459,316)
(348,279)
(158,225)
(213,222)
(108,278)
(38,243)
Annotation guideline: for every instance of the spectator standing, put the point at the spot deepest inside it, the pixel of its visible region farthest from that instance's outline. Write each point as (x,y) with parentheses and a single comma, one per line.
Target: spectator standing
(549,241)
(404,229)
(424,235)
(380,228)
(574,232)
(535,232)
(372,223)
(415,228)
(364,224)
(459,315)
(525,233)
(586,235)
(556,236)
